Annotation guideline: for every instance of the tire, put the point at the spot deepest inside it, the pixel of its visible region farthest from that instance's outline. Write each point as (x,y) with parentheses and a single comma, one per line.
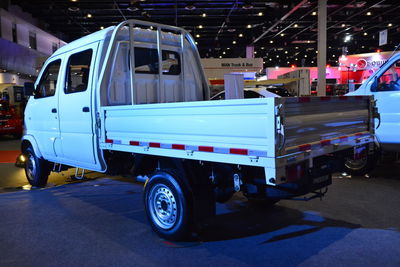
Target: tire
(167,207)
(362,166)
(37,170)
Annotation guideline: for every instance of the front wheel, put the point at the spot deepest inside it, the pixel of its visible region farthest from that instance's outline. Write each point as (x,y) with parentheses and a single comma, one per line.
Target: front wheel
(166,205)
(37,170)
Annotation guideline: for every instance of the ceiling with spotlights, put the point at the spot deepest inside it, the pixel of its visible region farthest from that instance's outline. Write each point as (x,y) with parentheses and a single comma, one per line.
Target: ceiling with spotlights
(283,32)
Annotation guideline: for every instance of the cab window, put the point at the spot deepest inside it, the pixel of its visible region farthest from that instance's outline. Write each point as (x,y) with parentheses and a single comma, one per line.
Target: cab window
(390,79)
(48,82)
(78,70)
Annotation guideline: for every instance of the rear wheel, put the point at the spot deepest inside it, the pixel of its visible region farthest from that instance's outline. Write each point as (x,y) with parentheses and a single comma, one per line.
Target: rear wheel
(167,207)
(37,170)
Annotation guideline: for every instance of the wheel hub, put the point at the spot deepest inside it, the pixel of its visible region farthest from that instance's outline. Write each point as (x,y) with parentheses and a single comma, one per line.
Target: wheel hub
(163,208)
(31,166)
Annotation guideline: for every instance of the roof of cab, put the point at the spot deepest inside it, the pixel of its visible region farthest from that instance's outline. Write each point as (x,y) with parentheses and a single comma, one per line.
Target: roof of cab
(96,36)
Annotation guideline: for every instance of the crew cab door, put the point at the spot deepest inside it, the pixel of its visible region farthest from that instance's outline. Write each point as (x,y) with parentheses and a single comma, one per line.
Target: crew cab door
(77,115)
(42,114)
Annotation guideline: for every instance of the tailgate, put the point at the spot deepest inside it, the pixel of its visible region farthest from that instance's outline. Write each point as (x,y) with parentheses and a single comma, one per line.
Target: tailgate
(310,122)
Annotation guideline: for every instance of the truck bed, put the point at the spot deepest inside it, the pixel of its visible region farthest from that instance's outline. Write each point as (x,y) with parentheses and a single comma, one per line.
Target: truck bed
(255,132)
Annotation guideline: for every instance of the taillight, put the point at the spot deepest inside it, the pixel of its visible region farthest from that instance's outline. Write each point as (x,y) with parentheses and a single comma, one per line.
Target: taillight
(295,172)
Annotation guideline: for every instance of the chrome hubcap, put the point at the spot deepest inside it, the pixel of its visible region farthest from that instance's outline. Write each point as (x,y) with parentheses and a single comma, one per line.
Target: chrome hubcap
(162,206)
(31,167)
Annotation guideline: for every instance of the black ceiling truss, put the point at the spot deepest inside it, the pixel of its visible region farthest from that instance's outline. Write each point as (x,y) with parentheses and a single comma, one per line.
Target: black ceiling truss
(288,33)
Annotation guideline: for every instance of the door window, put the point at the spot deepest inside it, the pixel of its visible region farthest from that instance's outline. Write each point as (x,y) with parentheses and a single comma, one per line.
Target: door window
(171,64)
(48,82)
(390,79)
(78,70)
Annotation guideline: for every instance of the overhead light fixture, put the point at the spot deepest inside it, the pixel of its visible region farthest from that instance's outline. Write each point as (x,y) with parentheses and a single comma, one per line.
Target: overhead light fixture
(240,34)
(220,56)
(260,14)
(74,0)
(343,25)
(197,35)
(89,15)
(262,47)
(347,38)
(101,27)
(200,26)
(296,25)
(365,33)
(286,52)
(233,42)
(224,53)
(247,5)
(369,13)
(196,43)
(133,6)
(314,13)
(282,34)
(271,42)
(204,15)
(390,25)
(305,55)
(248,26)
(228,48)
(190,7)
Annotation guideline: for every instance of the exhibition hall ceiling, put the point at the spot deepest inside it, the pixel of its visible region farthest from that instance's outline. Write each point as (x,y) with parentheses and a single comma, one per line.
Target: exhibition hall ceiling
(283,32)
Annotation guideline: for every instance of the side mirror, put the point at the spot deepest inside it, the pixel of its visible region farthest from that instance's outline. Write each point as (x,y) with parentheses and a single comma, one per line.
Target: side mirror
(29,88)
(374,85)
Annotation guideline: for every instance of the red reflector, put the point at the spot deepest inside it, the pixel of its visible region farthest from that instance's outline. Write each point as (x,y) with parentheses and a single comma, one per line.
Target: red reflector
(134,143)
(154,144)
(343,138)
(325,142)
(206,148)
(304,99)
(304,147)
(109,141)
(178,146)
(325,98)
(343,97)
(238,151)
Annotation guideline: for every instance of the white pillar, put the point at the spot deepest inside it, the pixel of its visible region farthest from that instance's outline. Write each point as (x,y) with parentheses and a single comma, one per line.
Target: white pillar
(321,56)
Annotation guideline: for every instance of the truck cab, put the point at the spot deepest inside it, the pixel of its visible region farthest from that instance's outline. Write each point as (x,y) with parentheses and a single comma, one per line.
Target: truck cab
(384,85)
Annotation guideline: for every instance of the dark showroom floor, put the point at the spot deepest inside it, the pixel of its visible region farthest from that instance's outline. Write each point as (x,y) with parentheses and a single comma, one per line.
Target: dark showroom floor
(101,222)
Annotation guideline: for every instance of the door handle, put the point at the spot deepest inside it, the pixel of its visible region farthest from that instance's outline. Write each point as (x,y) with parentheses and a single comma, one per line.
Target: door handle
(53,110)
(85,109)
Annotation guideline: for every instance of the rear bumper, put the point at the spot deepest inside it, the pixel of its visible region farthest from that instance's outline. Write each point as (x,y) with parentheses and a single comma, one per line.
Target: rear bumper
(291,190)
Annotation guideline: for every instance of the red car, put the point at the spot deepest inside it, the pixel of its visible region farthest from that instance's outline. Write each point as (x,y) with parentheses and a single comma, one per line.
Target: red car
(10,121)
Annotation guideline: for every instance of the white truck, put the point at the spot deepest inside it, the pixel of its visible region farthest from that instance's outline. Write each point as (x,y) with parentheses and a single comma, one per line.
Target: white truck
(384,85)
(134,99)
